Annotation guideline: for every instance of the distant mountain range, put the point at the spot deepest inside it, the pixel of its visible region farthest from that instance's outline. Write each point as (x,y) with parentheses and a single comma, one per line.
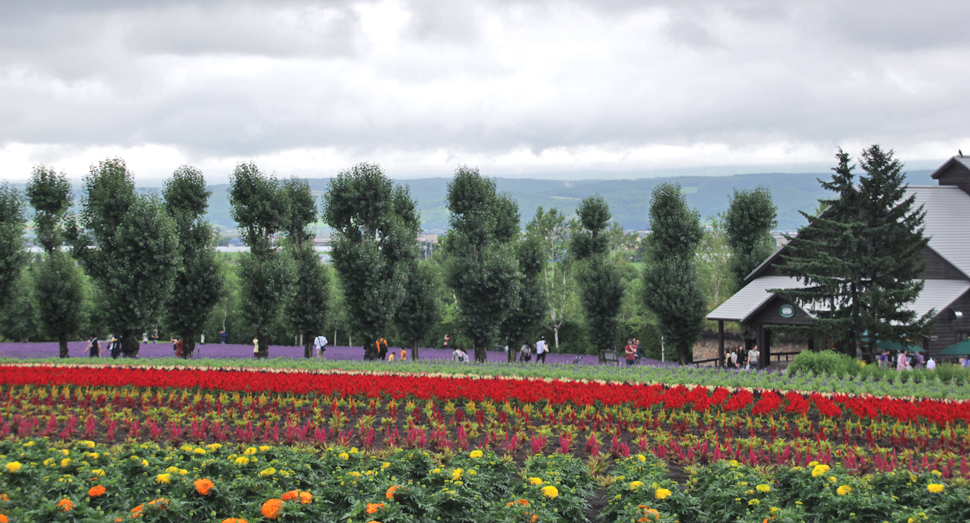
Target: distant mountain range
(629,200)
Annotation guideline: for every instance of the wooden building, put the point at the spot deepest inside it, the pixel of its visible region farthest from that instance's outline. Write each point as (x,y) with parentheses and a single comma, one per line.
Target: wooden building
(946,274)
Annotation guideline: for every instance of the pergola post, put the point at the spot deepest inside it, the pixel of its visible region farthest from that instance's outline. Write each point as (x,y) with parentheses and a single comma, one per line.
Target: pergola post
(720,343)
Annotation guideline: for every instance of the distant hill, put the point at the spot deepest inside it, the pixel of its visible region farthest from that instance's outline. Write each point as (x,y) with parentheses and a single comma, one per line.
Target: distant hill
(629,200)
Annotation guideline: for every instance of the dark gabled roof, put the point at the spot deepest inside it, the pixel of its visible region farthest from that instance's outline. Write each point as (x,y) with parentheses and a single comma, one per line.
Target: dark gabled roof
(963,161)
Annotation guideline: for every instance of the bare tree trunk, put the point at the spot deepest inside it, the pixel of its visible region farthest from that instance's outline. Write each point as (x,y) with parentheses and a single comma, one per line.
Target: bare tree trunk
(370,350)
(414,349)
(263,351)
(308,345)
(188,344)
(481,352)
(129,344)
(62,344)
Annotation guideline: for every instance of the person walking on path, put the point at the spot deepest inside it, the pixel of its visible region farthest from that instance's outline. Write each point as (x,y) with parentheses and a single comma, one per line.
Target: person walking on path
(541,350)
(754,358)
(94,348)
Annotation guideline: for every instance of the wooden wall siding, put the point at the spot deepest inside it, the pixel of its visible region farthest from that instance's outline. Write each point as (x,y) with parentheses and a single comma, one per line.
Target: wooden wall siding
(946,329)
(956,175)
(770,314)
(939,269)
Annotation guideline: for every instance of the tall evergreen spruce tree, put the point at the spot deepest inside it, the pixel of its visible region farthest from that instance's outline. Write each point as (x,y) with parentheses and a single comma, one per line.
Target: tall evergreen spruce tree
(306,310)
(58,284)
(198,280)
(375,226)
(482,268)
(748,222)
(671,286)
(259,207)
(135,260)
(860,259)
(600,285)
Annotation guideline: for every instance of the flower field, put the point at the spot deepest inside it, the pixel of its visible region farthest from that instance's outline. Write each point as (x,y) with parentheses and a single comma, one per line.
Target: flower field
(180,444)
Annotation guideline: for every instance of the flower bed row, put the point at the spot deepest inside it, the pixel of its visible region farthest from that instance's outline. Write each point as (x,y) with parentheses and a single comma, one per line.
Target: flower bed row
(42,480)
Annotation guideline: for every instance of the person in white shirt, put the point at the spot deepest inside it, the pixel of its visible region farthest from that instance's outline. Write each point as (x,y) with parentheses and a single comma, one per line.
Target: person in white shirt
(541,350)
(319,346)
(930,363)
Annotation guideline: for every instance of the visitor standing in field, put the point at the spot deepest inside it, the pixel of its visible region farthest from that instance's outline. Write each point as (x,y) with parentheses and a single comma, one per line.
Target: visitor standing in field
(222,336)
(94,348)
(319,346)
(541,350)
(154,335)
(255,348)
(754,358)
(114,347)
(901,362)
(381,349)
(404,354)
(631,352)
(525,353)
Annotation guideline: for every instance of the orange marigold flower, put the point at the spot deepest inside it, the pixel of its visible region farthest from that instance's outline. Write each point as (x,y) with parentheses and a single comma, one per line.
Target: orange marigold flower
(161,502)
(271,509)
(96,491)
(3,519)
(4,497)
(65,504)
(374,507)
(293,494)
(305,497)
(136,512)
(234,520)
(535,517)
(203,486)
(390,492)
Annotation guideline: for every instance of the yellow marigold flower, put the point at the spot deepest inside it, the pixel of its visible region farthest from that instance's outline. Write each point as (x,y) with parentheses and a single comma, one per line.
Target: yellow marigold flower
(819,470)
(265,473)
(96,491)
(456,474)
(199,451)
(241,461)
(355,474)
(271,509)
(549,491)
(172,470)
(813,464)
(264,448)
(49,462)
(475,454)
(535,481)
(734,463)
(13,467)
(385,465)
(144,462)
(29,444)
(344,456)
(763,488)
(832,479)
(935,488)
(436,471)
(662,493)
(635,485)
(213,447)
(641,457)
(754,501)
(65,504)
(249,452)
(353,450)
(66,462)
(97,472)
(163,478)
(65,452)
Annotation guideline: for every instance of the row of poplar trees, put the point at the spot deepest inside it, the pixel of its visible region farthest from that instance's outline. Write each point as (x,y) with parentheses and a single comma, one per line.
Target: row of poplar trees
(154,257)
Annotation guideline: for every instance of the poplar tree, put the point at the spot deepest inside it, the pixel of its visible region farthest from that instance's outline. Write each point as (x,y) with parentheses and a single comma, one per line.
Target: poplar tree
(373,244)
(671,286)
(750,217)
(861,257)
(530,308)
(420,310)
(600,284)
(128,245)
(309,302)
(552,231)
(58,284)
(198,280)
(482,269)
(12,253)
(259,207)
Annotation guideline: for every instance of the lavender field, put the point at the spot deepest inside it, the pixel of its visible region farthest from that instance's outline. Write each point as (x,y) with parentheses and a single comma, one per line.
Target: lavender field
(164,350)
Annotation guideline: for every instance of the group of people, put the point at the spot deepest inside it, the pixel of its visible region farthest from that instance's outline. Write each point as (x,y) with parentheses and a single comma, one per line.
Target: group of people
(93,349)
(905,360)
(738,358)
(539,348)
(633,351)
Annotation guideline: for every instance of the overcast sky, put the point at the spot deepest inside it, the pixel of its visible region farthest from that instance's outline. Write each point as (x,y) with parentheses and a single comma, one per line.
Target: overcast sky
(517,88)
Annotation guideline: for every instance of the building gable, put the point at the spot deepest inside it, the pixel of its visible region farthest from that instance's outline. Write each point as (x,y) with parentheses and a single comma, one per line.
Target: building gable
(956,171)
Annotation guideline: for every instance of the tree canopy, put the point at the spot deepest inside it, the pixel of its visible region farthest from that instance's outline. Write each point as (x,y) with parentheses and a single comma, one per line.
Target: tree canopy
(600,285)
(748,223)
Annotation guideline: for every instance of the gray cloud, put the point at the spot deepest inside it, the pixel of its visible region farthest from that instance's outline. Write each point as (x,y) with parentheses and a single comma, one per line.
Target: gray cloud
(480,78)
